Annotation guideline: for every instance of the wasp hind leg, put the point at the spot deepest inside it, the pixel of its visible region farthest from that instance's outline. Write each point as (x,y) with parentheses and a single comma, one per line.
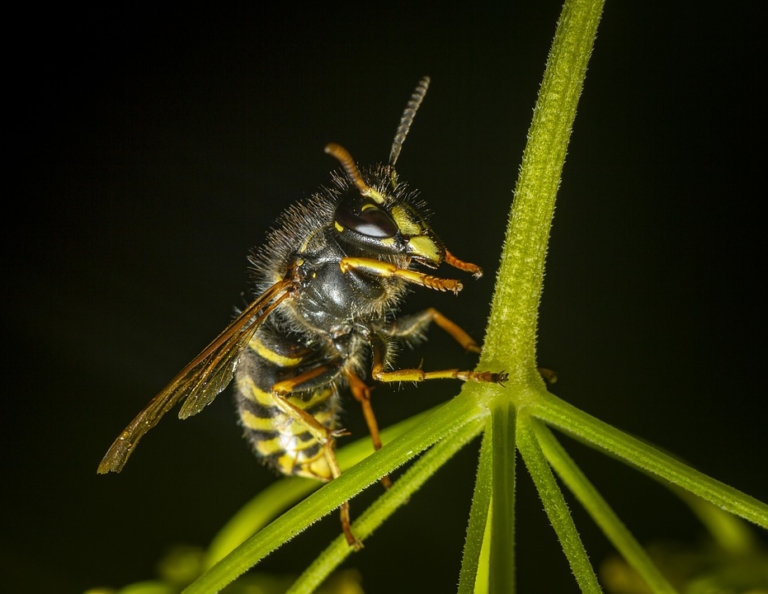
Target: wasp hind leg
(314,380)
(362,394)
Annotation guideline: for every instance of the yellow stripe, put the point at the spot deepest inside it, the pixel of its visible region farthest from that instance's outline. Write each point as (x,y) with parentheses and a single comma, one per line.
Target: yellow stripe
(324,417)
(251,421)
(268,447)
(318,397)
(297,428)
(280,422)
(266,353)
(248,389)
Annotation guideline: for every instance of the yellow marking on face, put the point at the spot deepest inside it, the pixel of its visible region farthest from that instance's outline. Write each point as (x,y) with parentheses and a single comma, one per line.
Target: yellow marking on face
(338,226)
(405,222)
(266,353)
(248,388)
(388,242)
(424,246)
(374,195)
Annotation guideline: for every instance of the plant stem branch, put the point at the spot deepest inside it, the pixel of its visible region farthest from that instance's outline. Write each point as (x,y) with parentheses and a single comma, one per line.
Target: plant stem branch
(592,431)
(478,517)
(555,506)
(600,511)
(502,555)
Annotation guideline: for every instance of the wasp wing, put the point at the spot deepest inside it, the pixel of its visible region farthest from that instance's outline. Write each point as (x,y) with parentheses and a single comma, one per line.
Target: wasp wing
(201,380)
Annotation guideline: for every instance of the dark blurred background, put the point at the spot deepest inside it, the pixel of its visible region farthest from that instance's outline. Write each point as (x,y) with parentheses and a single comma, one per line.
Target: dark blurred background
(148,149)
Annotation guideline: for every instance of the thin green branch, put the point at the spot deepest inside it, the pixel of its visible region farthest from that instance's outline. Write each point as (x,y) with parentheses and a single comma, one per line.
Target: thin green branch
(555,506)
(478,517)
(502,554)
(386,505)
(592,431)
(600,511)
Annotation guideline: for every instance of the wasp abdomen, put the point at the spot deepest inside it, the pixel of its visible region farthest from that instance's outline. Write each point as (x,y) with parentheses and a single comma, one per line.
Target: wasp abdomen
(278,438)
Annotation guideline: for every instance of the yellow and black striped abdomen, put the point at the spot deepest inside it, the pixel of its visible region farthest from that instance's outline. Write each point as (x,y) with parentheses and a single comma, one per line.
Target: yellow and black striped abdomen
(279,439)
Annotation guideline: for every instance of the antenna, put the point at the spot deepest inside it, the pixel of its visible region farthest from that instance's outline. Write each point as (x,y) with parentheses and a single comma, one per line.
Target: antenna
(353,173)
(406,120)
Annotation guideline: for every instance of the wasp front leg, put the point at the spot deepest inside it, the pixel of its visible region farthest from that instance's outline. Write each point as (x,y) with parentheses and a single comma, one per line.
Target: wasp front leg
(389,270)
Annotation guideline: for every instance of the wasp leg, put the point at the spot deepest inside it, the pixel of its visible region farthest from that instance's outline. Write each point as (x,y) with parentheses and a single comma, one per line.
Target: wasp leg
(413,326)
(389,270)
(316,377)
(473,269)
(419,375)
(362,394)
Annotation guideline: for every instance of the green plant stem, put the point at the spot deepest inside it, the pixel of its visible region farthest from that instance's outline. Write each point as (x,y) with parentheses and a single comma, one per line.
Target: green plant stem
(386,505)
(600,511)
(502,554)
(592,431)
(478,517)
(555,506)
(510,341)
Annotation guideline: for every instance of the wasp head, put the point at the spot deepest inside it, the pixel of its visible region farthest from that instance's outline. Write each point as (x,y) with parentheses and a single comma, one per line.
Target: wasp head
(373,218)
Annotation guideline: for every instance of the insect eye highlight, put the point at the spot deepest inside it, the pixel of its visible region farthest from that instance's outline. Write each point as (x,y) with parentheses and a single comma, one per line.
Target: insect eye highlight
(366,218)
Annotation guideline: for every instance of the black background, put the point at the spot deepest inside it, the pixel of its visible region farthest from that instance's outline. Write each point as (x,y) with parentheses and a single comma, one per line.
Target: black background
(146,150)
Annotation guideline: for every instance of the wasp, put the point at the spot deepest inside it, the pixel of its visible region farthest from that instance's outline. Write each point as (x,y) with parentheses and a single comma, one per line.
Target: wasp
(328,282)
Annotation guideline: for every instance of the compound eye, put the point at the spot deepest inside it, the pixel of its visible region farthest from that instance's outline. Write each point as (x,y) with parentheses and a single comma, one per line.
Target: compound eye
(366,218)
